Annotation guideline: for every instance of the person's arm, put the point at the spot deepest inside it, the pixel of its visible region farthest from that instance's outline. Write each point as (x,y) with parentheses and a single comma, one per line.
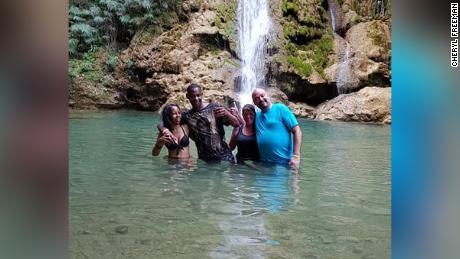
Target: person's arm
(232,119)
(234,112)
(295,160)
(158,145)
(291,123)
(187,130)
(232,143)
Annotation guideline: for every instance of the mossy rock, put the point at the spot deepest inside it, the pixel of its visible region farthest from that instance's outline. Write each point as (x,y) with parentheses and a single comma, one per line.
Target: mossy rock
(302,34)
(305,12)
(91,79)
(315,51)
(225,21)
(302,68)
(91,66)
(289,8)
(375,33)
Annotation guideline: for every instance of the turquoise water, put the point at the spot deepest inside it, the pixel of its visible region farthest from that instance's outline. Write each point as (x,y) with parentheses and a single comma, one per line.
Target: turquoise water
(124,203)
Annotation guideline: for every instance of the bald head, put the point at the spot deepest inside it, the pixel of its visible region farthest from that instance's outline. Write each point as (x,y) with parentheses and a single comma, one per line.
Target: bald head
(261,99)
(258,90)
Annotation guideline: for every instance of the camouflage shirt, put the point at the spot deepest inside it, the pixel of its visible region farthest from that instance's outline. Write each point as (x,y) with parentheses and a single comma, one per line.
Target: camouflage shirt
(208,133)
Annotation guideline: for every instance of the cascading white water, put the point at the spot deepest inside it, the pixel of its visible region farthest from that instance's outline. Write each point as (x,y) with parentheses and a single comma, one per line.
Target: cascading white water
(344,74)
(333,10)
(253,28)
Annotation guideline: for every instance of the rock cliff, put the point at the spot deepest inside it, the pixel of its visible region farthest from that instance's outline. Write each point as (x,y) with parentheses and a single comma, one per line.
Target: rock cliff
(310,62)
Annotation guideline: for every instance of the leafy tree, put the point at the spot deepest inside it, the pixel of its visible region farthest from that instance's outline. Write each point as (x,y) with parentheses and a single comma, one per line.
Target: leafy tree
(95,23)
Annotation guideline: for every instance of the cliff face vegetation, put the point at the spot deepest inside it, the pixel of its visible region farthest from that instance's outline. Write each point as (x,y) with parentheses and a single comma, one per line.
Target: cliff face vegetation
(325,48)
(193,42)
(99,30)
(142,54)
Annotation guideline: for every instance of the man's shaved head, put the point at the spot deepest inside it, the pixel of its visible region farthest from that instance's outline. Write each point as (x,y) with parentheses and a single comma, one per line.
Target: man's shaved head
(261,99)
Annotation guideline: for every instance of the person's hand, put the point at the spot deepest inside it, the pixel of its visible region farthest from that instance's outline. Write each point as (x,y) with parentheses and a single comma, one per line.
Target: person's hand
(167,137)
(166,132)
(234,111)
(294,163)
(221,112)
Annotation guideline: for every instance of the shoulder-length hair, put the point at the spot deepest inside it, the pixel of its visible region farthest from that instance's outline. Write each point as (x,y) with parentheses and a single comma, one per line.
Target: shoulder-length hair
(166,115)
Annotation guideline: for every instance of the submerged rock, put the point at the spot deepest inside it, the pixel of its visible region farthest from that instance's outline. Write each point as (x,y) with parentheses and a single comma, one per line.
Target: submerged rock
(123,229)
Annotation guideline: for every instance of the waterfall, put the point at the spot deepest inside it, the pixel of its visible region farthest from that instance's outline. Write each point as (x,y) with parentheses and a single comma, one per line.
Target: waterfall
(333,11)
(344,73)
(253,27)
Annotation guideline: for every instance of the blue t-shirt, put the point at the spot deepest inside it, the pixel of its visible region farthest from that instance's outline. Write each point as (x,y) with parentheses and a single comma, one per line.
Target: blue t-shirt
(273,131)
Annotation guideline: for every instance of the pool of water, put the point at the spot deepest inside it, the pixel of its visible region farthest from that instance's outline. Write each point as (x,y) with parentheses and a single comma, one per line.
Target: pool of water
(124,203)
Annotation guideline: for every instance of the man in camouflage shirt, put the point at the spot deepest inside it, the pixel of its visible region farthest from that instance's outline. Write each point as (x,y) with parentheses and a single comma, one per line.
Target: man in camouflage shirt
(206,123)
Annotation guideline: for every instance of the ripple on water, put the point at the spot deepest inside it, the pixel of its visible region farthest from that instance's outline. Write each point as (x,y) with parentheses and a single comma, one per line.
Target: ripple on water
(338,206)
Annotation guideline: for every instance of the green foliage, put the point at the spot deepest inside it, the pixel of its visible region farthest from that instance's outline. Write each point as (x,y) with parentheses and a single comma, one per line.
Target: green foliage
(355,7)
(376,34)
(226,17)
(313,21)
(92,66)
(309,38)
(289,8)
(227,11)
(111,62)
(304,13)
(321,48)
(316,51)
(304,69)
(130,68)
(370,8)
(301,33)
(95,23)
(87,67)
(231,61)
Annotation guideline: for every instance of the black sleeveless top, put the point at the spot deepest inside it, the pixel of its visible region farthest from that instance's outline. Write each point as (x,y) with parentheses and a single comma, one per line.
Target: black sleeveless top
(247,146)
(183,142)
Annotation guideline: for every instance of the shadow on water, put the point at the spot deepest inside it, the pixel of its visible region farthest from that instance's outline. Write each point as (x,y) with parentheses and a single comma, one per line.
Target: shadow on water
(255,189)
(235,197)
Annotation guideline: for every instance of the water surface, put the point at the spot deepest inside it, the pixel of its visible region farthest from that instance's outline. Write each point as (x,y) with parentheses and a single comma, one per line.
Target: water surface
(124,203)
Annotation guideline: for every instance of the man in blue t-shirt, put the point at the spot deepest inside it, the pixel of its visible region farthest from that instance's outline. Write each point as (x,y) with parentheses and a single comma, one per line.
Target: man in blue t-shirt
(274,125)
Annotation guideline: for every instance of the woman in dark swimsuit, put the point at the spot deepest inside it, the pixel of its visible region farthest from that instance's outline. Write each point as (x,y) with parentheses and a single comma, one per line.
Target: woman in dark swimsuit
(178,143)
(244,137)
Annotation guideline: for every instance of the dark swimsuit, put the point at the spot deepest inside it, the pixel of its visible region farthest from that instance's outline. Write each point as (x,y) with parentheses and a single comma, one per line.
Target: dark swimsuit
(247,146)
(184,142)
